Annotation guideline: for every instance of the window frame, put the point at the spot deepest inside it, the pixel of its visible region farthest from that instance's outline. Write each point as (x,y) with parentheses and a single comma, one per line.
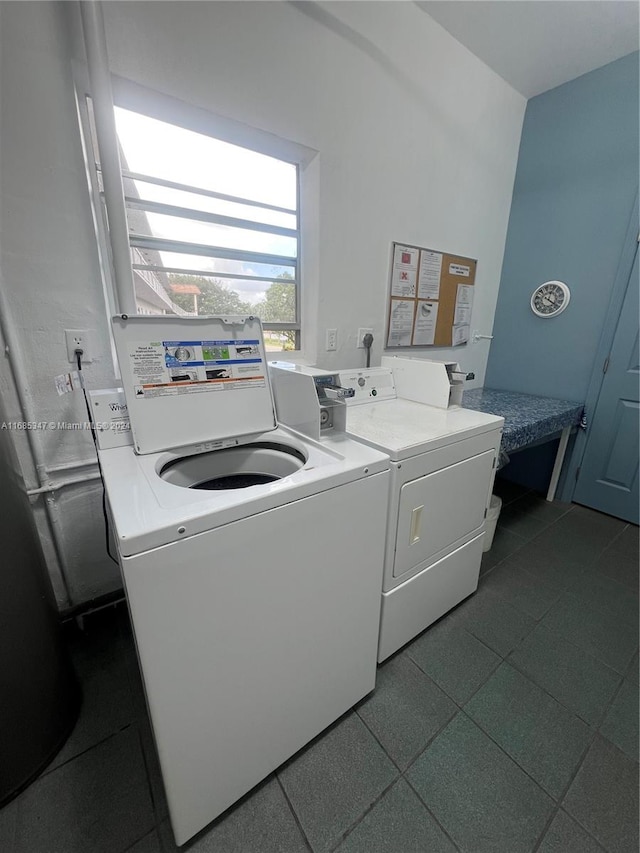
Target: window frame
(137,98)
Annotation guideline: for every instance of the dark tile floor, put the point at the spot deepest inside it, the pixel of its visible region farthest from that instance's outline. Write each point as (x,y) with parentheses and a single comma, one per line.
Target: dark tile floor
(510,725)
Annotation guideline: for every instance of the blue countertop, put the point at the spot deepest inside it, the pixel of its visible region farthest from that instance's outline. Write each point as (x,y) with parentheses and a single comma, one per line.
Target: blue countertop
(527,419)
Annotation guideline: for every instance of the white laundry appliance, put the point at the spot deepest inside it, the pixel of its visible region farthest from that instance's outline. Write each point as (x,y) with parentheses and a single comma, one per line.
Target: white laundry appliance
(443,460)
(252,558)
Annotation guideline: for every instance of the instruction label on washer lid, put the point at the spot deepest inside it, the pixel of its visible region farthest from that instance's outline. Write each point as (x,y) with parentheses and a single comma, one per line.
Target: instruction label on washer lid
(175,368)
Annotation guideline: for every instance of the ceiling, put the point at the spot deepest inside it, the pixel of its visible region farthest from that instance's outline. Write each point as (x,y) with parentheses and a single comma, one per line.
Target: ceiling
(536,45)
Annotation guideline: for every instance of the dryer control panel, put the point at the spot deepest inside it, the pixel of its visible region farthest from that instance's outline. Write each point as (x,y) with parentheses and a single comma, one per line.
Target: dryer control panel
(371,384)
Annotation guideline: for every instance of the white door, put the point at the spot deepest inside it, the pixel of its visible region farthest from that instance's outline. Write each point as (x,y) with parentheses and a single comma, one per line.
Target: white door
(439,510)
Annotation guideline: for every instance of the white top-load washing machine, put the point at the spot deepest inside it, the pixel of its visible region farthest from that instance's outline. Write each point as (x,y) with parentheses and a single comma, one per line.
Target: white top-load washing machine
(252,559)
(443,461)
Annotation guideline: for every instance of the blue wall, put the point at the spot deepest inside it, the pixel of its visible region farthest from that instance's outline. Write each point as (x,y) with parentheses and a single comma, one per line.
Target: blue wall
(573,196)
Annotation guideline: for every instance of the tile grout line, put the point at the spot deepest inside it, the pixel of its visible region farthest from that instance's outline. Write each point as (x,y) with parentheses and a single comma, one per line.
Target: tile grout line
(379,742)
(138,840)
(147,770)
(519,548)
(430,813)
(517,613)
(545,524)
(605,714)
(421,752)
(534,578)
(619,535)
(487,646)
(293,812)
(571,591)
(567,788)
(345,834)
(401,773)
(548,824)
(49,769)
(530,678)
(575,645)
(601,612)
(510,757)
(481,685)
(433,736)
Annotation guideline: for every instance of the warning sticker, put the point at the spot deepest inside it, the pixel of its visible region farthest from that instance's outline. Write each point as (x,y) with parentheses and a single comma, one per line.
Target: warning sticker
(173,368)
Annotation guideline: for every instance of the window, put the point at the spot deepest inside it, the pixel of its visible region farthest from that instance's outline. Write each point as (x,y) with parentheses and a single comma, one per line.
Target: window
(213,225)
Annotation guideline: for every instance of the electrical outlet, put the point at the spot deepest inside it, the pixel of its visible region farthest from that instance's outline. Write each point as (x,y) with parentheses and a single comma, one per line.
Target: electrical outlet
(78,339)
(361,334)
(332,340)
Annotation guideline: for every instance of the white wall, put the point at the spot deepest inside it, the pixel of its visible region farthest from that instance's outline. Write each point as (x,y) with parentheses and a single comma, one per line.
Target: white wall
(417,142)
(49,274)
(418,139)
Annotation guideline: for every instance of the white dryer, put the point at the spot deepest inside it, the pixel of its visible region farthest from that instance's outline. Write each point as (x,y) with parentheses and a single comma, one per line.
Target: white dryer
(252,559)
(442,471)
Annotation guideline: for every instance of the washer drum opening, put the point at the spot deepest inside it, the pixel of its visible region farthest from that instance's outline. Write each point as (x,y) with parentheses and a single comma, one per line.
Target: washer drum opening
(235,467)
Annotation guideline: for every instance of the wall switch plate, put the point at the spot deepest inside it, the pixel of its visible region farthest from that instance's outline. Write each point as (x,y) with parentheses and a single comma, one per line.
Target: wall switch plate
(78,339)
(332,340)
(361,334)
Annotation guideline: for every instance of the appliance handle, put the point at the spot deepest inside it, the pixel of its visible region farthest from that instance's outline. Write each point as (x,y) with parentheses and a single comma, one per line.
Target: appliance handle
(416,519)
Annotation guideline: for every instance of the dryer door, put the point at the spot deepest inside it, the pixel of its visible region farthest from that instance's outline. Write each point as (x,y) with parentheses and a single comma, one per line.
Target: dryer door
(438,510)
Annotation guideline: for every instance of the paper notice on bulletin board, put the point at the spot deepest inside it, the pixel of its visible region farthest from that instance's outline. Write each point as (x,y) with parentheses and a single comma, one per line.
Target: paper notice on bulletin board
(464,305)
(405,271)
(400,323)
(459,270)
(460,335)
(430,273)
(424,327)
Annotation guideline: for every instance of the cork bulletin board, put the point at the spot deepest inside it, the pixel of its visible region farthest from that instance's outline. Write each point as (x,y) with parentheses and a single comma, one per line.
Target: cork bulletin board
(430,298)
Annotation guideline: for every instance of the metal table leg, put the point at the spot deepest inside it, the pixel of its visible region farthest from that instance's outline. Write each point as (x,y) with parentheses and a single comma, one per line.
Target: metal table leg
(557,465)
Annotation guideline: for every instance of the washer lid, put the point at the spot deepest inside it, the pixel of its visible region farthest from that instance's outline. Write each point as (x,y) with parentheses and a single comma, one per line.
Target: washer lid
(193,380)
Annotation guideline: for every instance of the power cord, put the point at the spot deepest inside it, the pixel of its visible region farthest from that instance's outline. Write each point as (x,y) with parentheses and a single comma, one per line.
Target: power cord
(367,340)
(78,354)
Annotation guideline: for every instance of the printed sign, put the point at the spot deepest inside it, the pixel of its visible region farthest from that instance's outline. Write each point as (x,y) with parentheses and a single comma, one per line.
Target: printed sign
(400,323)
(430,274)
(173,368)
(458,269)
(424,327)
(405,270)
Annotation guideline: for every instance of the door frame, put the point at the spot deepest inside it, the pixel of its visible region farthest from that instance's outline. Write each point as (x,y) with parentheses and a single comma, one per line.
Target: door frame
(618,292)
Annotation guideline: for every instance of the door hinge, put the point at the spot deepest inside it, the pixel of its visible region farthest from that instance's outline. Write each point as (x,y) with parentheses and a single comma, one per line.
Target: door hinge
(605,366)
(577,472)
(583,421)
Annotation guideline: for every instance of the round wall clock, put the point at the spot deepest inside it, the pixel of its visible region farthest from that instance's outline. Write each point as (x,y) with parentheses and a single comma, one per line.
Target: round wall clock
(550,299)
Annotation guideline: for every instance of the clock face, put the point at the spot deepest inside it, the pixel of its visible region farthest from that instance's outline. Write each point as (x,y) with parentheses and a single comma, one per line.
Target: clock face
(550,299)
